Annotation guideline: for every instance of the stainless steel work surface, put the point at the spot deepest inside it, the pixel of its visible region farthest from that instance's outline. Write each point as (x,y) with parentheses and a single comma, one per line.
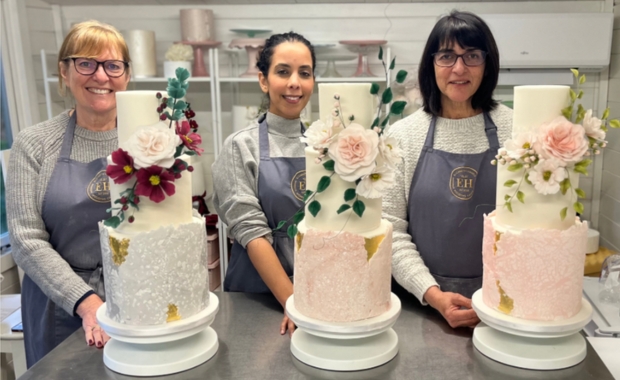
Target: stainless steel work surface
(252,348)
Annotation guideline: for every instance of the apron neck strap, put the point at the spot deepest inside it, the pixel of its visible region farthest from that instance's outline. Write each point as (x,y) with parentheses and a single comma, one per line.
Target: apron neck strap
(67,141)
(263,136)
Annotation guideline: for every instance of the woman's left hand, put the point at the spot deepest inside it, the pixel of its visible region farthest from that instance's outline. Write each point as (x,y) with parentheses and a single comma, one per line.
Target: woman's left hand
(287,324)
(87,310)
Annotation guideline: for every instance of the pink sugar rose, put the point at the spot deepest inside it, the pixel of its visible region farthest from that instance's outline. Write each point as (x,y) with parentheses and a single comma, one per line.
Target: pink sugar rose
(562,140)
(354,152)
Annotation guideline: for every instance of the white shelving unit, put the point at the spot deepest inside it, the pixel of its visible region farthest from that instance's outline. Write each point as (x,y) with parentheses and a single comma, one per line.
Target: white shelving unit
(215,82)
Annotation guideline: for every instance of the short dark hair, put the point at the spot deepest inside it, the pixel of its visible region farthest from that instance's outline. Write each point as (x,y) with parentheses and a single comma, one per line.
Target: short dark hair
(264,57)
(469,31)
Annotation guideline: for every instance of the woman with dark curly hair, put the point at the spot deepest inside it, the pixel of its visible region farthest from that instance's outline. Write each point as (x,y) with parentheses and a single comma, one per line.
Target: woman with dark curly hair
(446,179)
(259,178)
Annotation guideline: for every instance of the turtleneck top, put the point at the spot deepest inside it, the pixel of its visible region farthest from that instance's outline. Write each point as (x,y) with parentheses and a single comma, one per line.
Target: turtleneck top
(235,175)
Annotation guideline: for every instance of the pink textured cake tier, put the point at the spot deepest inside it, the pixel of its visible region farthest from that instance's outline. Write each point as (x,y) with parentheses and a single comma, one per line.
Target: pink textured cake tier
(534,274)
(336,281)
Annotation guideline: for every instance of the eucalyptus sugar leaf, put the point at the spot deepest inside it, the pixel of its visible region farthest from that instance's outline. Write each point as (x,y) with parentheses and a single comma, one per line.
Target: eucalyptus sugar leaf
(323,184)
(291,231)
(614,123)
(349,195)
(563,213)
(182,74)
(400,76)
(510,183)
(308,194)
(578,206)
(387,96)
(375,123)
(380,56)
(314,207)
(374,88)
(515,167)
(564,186)
(358,208)
(299,216)
(112,222)
(343,208)
(398,107)
(605,114)
(393,63)
(521,196)
(575,72)
(580,193)
(180,105)
(329,165)
(508,206)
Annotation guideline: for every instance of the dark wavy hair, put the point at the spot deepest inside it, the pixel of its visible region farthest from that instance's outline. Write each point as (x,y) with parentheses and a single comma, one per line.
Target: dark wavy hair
(469,31)
(264,57)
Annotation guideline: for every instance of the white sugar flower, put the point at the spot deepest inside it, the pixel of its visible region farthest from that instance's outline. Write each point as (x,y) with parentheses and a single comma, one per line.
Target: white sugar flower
(375,184)
(547,175)
(389,150)
(153,145)
(592,125)
(320,134)
(520,144)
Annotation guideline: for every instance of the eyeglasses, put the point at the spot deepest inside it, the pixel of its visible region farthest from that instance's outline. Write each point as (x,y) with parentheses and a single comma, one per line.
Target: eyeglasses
(86,66)
(470,58)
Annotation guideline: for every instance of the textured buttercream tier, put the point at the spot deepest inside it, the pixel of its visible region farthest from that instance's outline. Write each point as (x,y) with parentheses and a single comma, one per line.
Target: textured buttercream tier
(342,276)
(355,99)
(533,274)
(333,197)
(173,210)
(155,277)
(536,105)
(538,211)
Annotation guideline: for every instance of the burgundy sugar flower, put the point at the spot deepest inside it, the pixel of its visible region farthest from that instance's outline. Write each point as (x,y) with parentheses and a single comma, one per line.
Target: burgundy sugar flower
(190,139)
(123,169)
(155,182)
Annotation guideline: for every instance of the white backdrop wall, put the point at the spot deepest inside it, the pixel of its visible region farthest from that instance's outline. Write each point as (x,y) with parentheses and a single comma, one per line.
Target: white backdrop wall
(404,25)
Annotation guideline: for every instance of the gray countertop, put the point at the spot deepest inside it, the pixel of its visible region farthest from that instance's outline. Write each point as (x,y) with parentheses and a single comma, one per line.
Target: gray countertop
(251,348)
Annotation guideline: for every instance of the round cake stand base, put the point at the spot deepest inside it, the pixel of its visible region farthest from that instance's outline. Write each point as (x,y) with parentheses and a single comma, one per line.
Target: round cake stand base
(160,358)
(344,355)
(527,352)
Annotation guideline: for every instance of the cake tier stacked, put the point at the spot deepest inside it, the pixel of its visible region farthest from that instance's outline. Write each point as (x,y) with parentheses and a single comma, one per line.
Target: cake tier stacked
(155,268)
(532,257)
(342,261)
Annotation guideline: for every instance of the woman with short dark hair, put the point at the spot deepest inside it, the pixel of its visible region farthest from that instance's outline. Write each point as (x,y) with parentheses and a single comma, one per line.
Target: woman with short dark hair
(256,176)
(446,179)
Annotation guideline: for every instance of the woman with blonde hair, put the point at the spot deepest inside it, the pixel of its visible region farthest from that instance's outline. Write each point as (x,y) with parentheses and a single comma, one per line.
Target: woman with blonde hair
(57,192)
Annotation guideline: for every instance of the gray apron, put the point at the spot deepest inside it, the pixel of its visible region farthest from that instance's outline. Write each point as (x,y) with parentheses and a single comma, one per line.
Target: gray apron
(446,191)
(76,199)
(281,185)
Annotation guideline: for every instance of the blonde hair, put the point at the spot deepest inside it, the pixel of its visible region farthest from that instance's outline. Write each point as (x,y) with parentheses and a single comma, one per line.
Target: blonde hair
(89,39)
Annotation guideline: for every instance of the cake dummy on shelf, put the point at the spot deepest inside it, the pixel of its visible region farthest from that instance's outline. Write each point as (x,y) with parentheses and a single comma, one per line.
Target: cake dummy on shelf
(534,244)
(153,245)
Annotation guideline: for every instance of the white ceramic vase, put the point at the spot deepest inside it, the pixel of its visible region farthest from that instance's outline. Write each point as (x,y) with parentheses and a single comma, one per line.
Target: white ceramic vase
(171,66)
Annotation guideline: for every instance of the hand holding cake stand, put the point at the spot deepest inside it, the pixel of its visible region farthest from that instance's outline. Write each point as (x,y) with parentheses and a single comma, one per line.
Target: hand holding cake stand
(199,69)
(362,47)
(345,346)
(160,349)
(539,345)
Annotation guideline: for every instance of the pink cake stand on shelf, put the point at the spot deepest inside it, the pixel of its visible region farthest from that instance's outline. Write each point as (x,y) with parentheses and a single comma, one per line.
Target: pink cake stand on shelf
(199,69)
(362,47)
(251,46)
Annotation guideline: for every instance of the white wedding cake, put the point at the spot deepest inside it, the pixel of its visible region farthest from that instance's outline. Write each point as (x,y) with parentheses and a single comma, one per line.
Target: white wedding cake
(342,261)
(534,245)
(155,260)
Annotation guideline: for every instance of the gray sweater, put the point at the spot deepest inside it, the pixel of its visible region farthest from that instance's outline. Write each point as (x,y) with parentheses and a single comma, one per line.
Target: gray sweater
(33,157)
(456,136)
(235,176)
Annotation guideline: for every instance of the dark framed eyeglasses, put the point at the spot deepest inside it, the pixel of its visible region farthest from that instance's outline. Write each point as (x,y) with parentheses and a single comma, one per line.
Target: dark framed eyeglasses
(86,66)
(470,58)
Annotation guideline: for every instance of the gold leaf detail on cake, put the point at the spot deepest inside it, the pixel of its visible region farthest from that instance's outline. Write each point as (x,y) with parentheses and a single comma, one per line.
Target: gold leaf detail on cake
(119,249)
(298,239)
(173,313)
(498,235)
(372,245)
(506,304)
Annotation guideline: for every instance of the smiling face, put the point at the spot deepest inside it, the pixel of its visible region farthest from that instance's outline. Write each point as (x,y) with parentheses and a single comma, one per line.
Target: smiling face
(459,82)
(94,94)
(290,81)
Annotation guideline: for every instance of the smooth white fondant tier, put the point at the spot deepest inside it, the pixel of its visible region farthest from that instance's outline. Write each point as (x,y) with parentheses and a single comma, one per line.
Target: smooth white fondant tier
(355,99)
(154,272)
(134,110)
(538,211)
(536,105)
(534,274)
(333,197)
(334,279)
(173,210)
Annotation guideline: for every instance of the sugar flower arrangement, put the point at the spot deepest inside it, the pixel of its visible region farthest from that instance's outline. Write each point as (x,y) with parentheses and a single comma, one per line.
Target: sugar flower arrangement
(179,52)
(354,152)
(562,145)
(151,157)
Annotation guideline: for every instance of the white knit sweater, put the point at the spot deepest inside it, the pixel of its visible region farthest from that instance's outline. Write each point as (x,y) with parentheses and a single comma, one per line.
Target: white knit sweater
(464,136)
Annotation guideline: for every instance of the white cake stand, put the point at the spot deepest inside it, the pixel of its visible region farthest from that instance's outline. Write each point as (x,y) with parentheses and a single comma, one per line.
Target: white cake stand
(345,346)
(162,349)
(540,345)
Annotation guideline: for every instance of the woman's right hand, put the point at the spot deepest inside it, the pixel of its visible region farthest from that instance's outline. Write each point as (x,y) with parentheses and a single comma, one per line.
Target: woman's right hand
(287,324)
(455,308)
(87,310)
